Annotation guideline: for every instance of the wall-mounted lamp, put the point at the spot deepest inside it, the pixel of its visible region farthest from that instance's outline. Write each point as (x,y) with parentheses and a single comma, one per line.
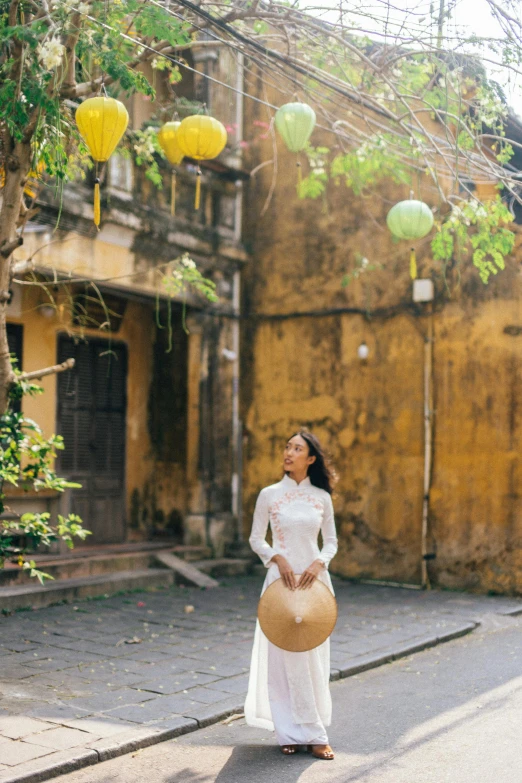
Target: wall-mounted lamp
(229,355)
(47,310)
(363,352)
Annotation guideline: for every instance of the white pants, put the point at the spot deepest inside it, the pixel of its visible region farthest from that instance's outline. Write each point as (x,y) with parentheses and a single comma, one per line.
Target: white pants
(288,732)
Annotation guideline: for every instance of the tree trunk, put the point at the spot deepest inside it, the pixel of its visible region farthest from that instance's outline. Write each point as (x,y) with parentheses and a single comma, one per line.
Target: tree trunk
(17,166)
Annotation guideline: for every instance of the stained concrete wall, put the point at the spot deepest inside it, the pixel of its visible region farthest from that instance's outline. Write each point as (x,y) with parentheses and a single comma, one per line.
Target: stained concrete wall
(303,369)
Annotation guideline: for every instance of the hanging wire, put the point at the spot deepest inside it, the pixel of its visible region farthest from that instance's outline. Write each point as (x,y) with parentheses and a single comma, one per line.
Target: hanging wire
(183,64)
(439,145)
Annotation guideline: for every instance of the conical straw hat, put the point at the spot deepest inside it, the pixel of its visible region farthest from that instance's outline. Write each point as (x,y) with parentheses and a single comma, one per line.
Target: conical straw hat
(297,620)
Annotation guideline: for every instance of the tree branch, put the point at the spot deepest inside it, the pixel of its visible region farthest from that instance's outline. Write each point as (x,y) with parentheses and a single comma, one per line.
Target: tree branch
(68,364)
(70,50)
(13,12)
(6,248)
(21,267)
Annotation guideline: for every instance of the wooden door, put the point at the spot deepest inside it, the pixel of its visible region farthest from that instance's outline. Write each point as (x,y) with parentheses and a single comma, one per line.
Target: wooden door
(91,419)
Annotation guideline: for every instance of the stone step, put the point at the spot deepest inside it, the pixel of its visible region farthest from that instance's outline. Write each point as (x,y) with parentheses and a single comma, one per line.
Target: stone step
(67,590)
(96,561)
(224,566)
(77,567)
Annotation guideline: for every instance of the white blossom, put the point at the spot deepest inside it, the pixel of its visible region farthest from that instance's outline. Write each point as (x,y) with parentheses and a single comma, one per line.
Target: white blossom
(187,262)
(51,53)
(144,149)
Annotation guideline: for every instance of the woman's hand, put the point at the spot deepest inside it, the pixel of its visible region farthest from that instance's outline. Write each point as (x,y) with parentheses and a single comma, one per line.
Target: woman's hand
(309,576)
(285,570)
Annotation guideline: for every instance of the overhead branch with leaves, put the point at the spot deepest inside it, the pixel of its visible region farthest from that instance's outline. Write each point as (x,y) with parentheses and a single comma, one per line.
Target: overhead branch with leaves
(398,94)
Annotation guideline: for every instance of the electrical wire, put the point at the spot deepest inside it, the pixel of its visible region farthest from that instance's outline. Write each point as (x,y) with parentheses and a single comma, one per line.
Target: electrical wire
(479,160)
(182,64)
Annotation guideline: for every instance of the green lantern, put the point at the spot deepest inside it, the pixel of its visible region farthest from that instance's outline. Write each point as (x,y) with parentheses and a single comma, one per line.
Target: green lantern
(295,122)
(410,219)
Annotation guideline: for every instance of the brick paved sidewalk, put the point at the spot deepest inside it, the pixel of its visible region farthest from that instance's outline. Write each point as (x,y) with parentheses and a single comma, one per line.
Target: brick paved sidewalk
(82,683)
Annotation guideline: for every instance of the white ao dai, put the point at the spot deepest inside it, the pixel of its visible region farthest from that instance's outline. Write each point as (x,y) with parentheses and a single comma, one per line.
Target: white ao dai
(289,691)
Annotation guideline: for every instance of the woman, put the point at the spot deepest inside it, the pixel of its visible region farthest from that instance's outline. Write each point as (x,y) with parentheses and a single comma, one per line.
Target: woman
(289,691)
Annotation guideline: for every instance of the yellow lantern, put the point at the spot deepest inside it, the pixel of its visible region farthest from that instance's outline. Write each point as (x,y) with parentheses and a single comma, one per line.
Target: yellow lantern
(102,122)
(168,139)
(201,138)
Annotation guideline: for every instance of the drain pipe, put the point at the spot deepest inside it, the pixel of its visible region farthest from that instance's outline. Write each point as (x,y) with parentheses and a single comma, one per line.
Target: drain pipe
(237,429)
(236,424)
(428,446)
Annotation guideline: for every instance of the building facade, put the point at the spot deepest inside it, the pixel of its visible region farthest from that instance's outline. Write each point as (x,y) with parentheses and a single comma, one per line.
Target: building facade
(149,413)
(302,330)
(173,435)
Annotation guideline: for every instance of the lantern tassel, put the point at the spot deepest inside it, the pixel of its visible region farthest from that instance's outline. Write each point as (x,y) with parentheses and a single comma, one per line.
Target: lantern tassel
(413,264)
(299,177)
(198,190)
(97,208)
(173,194)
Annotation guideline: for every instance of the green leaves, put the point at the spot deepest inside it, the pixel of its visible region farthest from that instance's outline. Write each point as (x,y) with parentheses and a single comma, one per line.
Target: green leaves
(476,231)
(156,23)
(71,527)
(34,83)
(359,169)
(27,461)
(146,148)
(185,277)
(373,161)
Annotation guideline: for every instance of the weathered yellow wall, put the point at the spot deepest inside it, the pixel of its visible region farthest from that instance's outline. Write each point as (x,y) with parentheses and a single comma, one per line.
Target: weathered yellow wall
(476,507)
(308,373)
(305,371)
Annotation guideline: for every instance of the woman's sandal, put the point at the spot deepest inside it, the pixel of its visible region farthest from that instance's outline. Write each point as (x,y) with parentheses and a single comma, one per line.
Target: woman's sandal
(289,750)
(321,752)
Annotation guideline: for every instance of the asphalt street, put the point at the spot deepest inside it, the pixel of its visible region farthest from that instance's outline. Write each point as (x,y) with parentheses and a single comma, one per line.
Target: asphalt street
(451,713)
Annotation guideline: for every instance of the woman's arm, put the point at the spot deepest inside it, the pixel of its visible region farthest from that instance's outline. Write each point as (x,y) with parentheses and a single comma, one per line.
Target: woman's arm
(329,533)
(257,538)
(261,547)
(329,549)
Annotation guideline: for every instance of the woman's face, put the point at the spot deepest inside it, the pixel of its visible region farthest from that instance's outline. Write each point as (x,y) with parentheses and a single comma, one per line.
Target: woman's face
(297,457)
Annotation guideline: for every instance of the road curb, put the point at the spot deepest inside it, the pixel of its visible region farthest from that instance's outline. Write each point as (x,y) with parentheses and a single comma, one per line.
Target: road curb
(40,769)
(513,612)
(135,739)
(374,661)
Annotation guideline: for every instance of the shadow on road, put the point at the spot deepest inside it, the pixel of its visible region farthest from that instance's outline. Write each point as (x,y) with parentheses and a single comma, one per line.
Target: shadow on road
(252,764)
(188,775)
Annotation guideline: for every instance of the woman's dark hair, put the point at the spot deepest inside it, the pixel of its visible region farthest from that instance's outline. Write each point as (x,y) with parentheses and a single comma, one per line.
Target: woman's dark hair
(320,472)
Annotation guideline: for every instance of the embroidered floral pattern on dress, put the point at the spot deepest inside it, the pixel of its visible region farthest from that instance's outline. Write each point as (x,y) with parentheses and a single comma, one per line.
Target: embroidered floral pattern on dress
(296,515)
(277,506)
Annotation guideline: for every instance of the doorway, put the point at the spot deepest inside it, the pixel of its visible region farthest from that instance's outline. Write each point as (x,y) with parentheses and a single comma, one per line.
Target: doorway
(92,418)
